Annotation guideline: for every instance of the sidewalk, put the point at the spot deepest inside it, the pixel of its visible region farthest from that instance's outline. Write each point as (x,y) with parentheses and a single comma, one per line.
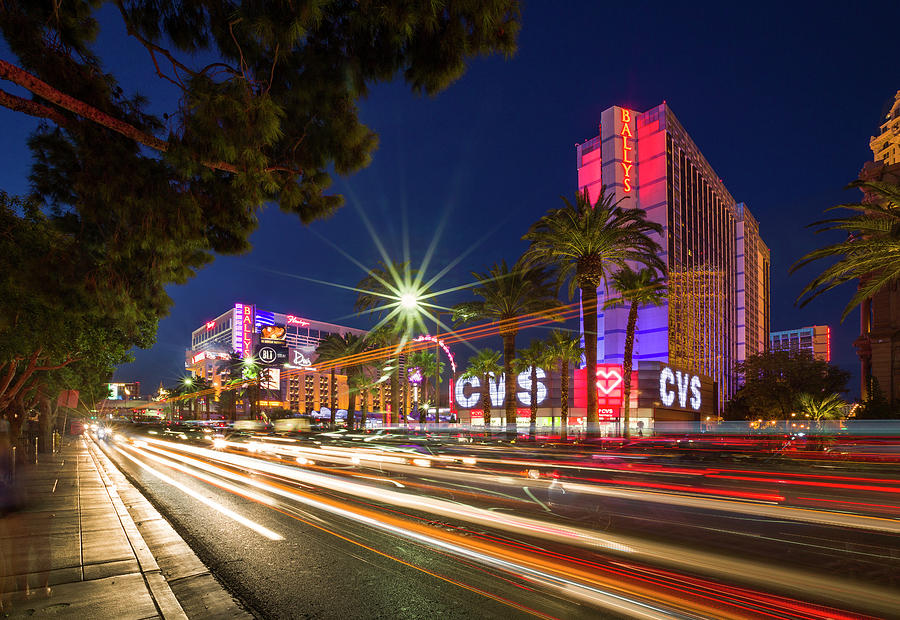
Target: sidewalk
(88,544)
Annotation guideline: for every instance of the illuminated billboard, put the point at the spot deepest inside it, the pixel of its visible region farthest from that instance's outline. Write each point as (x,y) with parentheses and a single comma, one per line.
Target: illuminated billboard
(610,386)
(272,334)
(271,354)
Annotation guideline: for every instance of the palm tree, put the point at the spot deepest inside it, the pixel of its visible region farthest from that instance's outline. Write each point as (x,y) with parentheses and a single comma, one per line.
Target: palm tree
(428,364)
(380,292)
(364,385)
(827,407)
(871,252)
(203,388)
(484,365)
(339,353)
(583,241)
(176,393)
(509,293)
(565,350)
(643,287)
(331,348)
(529,360)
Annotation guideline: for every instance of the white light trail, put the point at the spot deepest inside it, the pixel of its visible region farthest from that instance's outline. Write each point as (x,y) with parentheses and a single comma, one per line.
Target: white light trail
(256,527)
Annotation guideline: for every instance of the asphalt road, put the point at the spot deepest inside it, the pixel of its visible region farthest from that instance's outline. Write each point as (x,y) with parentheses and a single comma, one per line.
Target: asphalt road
(345,539)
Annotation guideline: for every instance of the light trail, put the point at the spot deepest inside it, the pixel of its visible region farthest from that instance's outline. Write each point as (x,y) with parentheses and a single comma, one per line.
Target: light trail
(778,578)
(549,574)
(256,527)
(736,502)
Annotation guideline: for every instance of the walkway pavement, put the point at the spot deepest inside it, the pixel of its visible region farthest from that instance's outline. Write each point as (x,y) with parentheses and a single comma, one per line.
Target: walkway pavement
(88,544)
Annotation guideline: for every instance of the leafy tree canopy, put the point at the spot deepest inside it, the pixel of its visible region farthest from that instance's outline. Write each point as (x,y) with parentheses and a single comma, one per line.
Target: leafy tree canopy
(267,110)
(773,380)
(66,318)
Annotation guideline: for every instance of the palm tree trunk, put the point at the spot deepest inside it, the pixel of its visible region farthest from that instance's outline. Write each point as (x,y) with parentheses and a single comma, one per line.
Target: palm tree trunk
(532,427)
(564,402)
(589,317)
(334,401)
(627,362)
(351,409)
(486,401)
(509,352)
(395,393)
(365,408)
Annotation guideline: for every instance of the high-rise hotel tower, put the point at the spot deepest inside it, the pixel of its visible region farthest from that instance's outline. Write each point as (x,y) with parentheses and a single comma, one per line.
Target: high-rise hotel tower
(718,266)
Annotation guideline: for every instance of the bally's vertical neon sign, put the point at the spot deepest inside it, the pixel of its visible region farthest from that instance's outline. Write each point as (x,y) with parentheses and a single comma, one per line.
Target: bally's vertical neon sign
(247,329)
(627,148)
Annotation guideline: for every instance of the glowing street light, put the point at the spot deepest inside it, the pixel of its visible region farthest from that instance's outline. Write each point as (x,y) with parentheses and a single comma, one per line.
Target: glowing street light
(409,301)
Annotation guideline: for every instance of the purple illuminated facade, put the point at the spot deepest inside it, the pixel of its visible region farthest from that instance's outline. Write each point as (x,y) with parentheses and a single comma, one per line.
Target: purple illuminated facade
(650,162)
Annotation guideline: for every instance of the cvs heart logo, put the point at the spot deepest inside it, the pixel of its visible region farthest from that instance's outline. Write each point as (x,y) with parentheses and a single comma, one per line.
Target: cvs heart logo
(608,380)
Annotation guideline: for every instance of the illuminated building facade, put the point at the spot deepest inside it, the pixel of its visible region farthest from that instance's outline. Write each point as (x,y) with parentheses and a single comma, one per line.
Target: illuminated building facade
(718,265)
(245,329)
(753,286)
(816,339)
(886,145)
(878,344)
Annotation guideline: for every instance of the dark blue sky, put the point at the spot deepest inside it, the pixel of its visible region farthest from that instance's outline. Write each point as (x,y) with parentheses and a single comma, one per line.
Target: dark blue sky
(780,98)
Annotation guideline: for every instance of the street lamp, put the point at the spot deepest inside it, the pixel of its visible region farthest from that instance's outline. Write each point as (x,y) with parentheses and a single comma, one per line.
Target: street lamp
(409,301)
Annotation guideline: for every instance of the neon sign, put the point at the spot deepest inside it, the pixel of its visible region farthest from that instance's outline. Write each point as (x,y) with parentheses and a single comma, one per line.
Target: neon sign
(627,161)
(682,382)
(468,389)
(237,335)
(247,329)
(294,320)
(210,324)
(415,375)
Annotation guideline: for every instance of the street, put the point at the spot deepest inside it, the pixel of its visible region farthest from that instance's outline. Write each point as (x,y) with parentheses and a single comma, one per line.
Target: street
(517,535)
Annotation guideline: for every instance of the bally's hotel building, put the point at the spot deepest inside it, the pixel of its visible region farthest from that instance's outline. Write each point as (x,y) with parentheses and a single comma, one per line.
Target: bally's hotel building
(717,311)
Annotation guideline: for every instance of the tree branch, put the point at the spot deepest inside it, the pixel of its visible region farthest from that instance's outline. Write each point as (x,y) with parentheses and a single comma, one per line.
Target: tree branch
(37,86)
(16,388)
(32,108)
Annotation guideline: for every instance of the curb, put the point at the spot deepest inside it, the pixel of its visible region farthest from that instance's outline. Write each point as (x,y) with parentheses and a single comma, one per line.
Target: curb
(163,597)
(174,568)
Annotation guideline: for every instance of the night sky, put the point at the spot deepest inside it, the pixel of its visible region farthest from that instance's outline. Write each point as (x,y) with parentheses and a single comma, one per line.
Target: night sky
(781,100)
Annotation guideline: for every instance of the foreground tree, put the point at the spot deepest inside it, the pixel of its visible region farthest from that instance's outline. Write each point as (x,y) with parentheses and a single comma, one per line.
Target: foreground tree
(772,380)
(643,287)
(266,92)
(482,366)
(65,318)
(584,241)
(871,252)
(564,350)
(509,294)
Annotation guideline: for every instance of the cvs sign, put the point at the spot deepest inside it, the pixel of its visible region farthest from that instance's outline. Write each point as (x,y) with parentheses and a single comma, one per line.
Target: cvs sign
(681,385)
